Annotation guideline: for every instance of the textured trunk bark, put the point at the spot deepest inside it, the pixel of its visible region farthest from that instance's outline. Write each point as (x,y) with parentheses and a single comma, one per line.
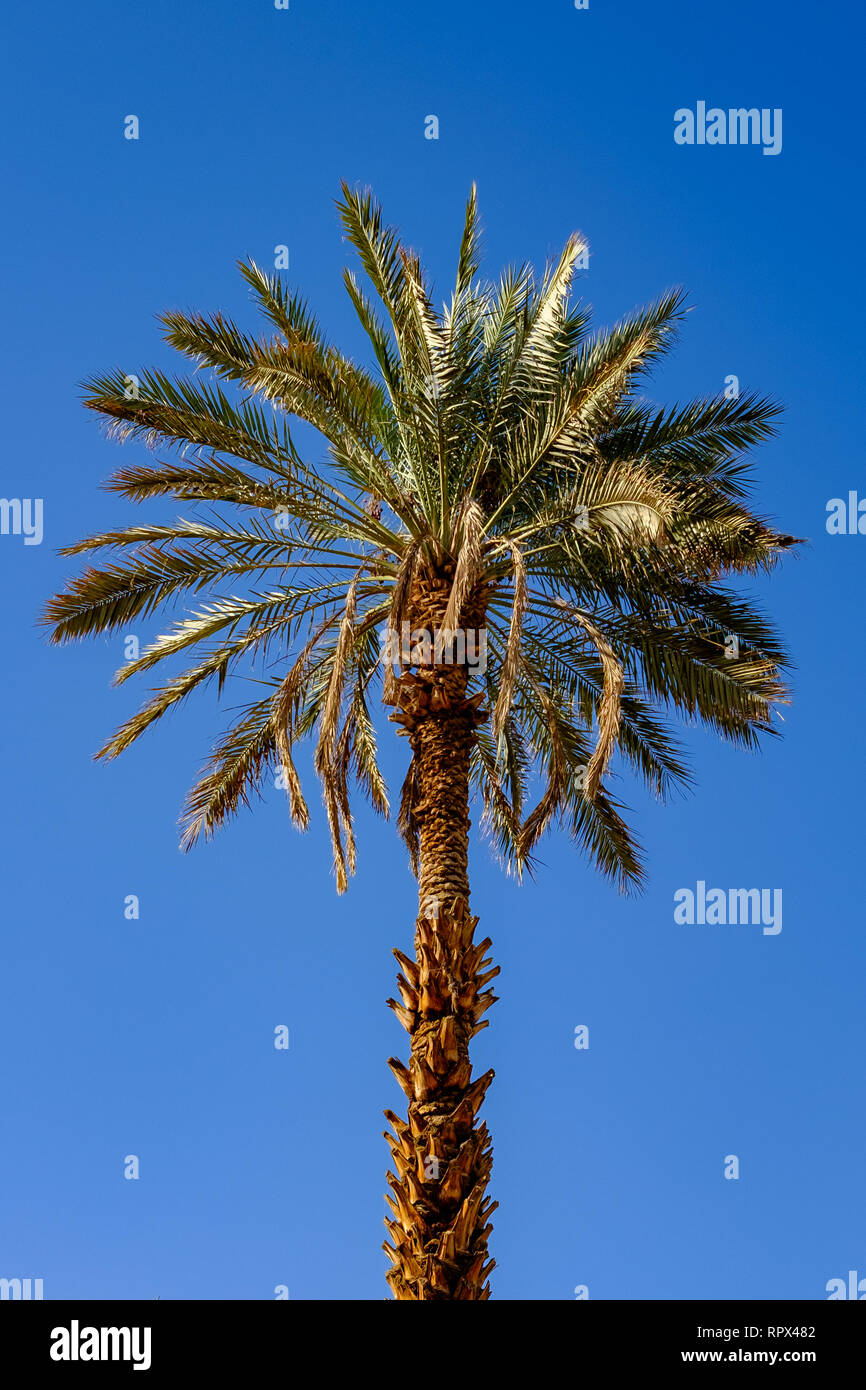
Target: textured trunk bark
(442,1155)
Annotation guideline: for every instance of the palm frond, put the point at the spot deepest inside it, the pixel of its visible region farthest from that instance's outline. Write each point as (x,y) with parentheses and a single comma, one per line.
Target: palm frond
(496,449)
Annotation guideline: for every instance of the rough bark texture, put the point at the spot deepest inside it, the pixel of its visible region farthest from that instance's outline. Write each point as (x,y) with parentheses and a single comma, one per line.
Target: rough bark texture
(443,1158)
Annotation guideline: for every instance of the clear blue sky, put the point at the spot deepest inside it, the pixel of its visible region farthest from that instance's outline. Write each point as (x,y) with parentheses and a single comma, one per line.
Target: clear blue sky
(154,1037)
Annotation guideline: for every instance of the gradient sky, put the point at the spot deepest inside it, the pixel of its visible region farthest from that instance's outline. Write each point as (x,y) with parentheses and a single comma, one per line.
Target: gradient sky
(155,1037)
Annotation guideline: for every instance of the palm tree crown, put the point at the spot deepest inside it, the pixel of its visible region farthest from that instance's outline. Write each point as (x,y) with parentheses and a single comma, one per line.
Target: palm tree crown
(498,446)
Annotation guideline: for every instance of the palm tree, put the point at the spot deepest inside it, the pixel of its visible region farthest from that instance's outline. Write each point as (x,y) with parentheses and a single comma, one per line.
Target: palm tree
(493,488)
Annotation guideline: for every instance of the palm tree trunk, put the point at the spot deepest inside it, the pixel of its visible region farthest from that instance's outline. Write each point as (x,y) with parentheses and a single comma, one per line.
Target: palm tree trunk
(442,1155)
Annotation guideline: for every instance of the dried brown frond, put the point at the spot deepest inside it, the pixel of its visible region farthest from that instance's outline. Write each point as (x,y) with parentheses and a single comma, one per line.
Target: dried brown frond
(468,568)
(512,651)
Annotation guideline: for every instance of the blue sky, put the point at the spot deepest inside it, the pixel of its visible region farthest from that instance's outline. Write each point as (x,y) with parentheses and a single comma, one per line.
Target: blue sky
(154,1036)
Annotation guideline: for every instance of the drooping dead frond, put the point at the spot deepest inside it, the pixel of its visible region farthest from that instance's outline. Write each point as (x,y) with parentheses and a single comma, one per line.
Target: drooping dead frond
(399,599)
(331,712)
(556,759)
(407,824)
(468,568)
(329,767)
(341,766)
(610,708)
(284,704)
(512,651)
